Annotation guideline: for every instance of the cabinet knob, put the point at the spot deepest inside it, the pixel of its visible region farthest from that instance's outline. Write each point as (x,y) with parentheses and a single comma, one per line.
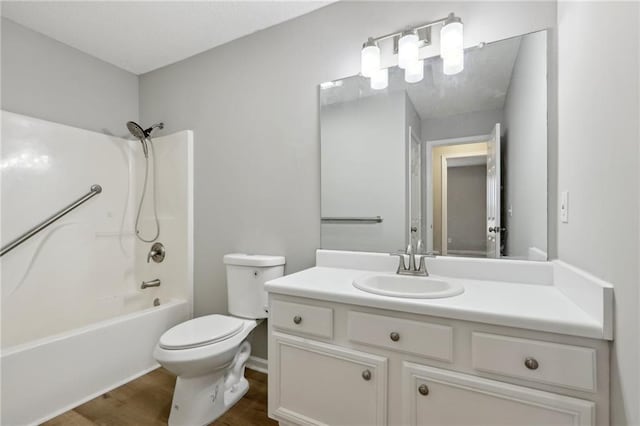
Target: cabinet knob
(297,319)
(423,390)
(395,336)
(531,363)
(366,374)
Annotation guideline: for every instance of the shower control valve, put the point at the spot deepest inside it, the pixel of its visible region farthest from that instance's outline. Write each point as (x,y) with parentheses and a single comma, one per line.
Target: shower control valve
(157,253)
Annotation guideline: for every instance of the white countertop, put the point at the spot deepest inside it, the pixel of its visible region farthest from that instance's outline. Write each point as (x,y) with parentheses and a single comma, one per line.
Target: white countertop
(534,306)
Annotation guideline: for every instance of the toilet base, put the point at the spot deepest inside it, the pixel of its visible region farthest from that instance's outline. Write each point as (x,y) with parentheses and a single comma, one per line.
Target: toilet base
(201,400)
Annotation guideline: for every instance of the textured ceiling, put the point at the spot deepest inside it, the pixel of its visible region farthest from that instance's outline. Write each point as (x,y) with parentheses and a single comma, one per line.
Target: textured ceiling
(142,36)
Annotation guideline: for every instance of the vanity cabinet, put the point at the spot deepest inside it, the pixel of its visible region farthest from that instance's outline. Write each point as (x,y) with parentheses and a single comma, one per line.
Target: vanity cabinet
(338,364)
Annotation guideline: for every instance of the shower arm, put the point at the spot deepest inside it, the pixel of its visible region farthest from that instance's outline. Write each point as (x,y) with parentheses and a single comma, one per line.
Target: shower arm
(95,190)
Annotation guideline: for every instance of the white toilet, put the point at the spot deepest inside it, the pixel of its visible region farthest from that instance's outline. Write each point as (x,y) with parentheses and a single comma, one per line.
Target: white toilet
(208,354)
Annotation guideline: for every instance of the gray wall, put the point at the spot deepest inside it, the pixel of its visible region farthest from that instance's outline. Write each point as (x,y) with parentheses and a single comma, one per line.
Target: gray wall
(474,123)
(362,166)
(253,105)
(46,79)
(525,133)
(599,134)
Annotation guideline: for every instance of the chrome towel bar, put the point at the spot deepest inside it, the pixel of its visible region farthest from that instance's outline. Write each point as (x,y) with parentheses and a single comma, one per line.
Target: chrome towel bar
(95,190)
(376,219)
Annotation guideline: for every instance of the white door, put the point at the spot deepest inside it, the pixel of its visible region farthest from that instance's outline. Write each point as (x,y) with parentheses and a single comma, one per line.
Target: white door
(493,193)
(315,383)
(433,396)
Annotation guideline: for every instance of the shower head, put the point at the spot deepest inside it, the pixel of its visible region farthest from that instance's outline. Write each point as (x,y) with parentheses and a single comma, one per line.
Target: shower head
(142,134)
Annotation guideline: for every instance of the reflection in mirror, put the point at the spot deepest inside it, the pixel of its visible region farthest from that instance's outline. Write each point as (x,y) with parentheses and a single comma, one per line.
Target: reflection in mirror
(454,164)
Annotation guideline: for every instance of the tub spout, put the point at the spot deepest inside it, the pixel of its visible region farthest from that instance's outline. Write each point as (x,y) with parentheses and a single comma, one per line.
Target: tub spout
(152,283)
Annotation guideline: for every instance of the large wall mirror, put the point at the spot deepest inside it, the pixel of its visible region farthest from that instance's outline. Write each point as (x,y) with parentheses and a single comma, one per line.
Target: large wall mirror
(454,164)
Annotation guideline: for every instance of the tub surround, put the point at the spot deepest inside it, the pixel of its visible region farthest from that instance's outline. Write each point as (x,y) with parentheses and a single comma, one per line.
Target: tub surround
(527,342)
(544,296)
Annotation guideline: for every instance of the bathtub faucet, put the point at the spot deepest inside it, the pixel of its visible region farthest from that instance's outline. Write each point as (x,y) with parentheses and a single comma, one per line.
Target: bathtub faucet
(152,283)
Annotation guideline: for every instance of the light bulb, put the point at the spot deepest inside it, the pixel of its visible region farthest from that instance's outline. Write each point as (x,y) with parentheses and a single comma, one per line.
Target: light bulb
(369,58)
(451,37)
(453,64)
(407,49)
(414,72)
(380,79)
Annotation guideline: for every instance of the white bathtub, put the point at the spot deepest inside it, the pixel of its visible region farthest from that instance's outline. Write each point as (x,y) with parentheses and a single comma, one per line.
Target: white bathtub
(49,376)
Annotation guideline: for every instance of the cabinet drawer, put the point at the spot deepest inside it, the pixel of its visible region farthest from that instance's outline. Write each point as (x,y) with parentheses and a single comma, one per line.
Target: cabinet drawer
(300,318)
(551,363)
(419,338)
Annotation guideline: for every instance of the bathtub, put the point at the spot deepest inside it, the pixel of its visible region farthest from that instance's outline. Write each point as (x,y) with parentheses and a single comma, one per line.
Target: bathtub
(46,377)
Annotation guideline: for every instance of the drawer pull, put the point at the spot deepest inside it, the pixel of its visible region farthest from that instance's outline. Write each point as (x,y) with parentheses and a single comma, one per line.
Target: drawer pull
(531,363)
(395,336)
(366,374)
(297,319)
(423,390)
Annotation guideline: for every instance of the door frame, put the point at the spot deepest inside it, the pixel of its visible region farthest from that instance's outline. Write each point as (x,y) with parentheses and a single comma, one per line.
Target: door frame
(443,192)
(428,198)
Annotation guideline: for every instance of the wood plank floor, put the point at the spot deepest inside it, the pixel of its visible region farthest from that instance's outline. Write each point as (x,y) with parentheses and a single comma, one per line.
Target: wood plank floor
(146,401)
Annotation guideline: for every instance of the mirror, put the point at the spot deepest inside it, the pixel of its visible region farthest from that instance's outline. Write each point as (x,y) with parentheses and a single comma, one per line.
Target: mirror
(455,164)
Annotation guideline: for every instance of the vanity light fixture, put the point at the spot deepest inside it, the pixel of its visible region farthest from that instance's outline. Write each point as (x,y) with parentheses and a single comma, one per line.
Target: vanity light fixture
(407,44)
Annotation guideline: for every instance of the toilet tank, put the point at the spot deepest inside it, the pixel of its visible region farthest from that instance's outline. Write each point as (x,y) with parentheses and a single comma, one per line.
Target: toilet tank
(246,275)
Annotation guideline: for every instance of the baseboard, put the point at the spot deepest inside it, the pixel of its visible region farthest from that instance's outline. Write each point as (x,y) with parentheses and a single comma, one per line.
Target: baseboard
(257,364)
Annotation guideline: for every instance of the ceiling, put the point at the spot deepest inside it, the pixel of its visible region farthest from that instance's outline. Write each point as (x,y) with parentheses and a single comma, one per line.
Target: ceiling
(481,86)
(140,36)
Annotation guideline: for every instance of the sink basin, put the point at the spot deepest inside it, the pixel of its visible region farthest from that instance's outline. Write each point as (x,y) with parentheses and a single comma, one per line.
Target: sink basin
(394,285)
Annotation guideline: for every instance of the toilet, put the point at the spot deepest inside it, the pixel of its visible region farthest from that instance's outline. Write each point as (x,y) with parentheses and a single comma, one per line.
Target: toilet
(209,353)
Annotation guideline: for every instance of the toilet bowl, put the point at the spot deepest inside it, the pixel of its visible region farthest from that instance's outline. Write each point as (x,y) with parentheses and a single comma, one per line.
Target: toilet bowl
(209,353)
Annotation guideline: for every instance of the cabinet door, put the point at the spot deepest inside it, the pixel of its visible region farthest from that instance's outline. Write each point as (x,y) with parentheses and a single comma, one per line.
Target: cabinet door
(433,396)
(313,383)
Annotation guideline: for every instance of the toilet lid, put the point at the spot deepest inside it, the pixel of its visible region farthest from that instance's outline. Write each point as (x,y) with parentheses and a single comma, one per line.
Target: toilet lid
(201,331)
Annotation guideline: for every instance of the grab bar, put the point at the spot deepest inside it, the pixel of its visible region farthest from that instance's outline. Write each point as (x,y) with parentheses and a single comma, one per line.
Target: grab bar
(376,219)
(95,190)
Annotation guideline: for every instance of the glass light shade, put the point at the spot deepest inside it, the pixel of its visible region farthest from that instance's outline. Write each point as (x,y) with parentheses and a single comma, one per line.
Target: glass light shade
(414,72)
(451,39)
(407,50)
(453,64)
(380,79)
(369,60)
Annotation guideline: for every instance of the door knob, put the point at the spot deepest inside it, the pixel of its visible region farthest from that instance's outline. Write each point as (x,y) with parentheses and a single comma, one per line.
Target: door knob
(366,374)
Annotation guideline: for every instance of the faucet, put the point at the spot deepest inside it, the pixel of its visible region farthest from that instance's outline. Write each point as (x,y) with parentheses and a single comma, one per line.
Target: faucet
(421,270)
(152,283)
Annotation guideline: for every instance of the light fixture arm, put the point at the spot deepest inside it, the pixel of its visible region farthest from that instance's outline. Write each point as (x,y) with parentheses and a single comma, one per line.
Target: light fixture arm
(418,28)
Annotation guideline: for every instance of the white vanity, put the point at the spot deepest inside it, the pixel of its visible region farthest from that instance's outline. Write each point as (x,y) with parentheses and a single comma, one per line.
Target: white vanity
(526,343)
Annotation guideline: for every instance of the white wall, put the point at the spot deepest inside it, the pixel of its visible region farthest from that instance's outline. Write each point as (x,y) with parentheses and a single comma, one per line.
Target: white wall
(525,133)
(46,79)
(253,106)
(474,123)
(598,104)
(363,172)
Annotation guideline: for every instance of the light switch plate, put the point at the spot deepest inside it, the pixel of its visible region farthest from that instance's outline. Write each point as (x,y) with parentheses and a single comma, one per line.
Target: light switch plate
(564,206)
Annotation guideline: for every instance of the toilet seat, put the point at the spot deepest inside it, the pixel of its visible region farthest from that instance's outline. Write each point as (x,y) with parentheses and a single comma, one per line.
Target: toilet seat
(201,331)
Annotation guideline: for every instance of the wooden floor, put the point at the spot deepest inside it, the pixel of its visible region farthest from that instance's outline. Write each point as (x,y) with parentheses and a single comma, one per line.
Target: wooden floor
(147,401)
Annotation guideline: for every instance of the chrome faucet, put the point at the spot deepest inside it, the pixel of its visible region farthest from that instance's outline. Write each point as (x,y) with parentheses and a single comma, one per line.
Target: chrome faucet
(152,283)
(421,269)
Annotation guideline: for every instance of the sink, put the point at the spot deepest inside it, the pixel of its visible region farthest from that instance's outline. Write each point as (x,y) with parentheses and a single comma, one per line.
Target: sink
(394,285)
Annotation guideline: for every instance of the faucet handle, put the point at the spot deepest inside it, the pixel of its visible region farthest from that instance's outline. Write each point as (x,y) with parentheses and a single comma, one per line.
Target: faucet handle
(401,265)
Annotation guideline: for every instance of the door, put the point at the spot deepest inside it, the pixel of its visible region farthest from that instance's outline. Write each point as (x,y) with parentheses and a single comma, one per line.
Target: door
(315,383)
(493,193)
(433,396)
